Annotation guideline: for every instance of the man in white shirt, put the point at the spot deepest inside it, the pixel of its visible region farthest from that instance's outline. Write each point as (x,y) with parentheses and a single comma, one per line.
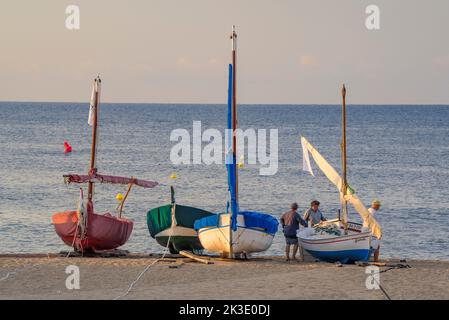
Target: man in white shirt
(375,206)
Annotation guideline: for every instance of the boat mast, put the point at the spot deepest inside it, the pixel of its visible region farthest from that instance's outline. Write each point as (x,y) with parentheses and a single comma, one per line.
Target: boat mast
(233,127)
(234,108)
(90,190)
(343,161)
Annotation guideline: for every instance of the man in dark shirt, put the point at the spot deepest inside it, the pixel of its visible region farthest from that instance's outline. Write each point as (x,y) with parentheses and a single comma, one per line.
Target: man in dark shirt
(290,224)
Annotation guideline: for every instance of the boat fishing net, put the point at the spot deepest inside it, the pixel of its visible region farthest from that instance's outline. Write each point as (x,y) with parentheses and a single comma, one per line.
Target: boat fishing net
(328,229)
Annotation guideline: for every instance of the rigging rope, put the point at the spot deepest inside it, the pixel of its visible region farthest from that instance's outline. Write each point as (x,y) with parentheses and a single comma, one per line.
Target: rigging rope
(78,225)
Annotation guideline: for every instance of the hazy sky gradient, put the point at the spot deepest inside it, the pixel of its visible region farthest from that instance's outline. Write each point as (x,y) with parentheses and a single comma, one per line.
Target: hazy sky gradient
(289,51)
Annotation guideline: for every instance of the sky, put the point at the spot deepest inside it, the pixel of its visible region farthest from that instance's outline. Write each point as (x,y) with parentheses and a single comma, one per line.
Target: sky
(167,51)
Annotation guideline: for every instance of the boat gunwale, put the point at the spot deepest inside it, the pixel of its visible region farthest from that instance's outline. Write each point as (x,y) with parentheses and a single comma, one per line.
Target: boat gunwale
(241,227)
(361,235)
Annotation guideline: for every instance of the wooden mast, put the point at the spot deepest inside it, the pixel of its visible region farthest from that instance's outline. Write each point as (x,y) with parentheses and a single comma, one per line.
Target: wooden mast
(343,160)
(90,190)
(234,126)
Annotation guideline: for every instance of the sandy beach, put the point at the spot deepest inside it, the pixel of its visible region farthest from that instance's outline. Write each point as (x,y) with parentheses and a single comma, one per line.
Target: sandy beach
(44,277)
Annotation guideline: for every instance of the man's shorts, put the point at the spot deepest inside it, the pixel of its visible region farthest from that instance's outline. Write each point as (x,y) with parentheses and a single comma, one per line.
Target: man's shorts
(291,240)
(375,243)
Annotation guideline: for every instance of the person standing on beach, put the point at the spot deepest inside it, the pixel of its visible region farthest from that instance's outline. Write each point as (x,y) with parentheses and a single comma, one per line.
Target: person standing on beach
(290,222)
(375,243)
(313,214)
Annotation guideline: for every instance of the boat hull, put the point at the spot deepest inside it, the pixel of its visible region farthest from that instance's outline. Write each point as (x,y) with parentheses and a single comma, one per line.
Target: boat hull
(104,232)
(180,239)
(244,239)
(182,235)
(345,249)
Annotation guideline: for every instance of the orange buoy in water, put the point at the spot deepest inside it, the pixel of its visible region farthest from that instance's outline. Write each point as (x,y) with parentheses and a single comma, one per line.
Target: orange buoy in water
(67,147)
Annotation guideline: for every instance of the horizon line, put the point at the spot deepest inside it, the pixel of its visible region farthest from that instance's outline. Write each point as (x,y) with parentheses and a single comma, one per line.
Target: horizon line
(224,103)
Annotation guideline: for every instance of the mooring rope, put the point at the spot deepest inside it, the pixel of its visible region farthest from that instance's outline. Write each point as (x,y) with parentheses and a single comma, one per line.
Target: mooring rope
(398,266)
(14,271)
(6,277)
(74,239)
(145,270)
(382,289)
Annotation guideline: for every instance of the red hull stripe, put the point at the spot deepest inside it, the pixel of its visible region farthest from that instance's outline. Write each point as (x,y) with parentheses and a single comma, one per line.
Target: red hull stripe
(332,241)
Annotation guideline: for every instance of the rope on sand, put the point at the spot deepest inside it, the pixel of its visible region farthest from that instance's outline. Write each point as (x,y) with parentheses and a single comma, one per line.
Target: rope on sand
(382,289)
(143,272)
(398,266)
(6,277)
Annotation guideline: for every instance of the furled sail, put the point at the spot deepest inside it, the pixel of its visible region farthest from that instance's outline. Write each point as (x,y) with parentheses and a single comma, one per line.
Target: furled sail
(94,177)
(95,89)
(231,160)
(368,220)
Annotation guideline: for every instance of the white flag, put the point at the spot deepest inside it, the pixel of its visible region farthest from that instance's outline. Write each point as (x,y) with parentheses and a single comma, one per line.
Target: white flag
(95,89)
(305,158)
(90,120)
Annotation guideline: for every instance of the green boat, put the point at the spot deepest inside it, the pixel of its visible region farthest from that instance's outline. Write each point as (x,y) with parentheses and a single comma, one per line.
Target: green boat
(180,230)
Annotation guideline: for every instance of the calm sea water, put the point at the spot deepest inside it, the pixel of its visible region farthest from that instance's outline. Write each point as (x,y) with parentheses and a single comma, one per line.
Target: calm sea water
(399,154)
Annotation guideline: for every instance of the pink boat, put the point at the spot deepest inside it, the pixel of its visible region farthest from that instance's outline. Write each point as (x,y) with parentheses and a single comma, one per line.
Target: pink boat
(105,232)
(85,230)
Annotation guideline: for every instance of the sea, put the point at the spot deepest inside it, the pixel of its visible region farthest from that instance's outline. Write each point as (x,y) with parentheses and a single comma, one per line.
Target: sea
(398,154)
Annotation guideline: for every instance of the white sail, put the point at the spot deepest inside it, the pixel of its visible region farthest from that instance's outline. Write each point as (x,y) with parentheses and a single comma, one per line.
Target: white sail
(368,220)
(305,158)
(324,166)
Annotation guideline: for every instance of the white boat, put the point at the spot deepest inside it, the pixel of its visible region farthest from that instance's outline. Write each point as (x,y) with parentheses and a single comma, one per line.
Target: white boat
(354,246)
(235,232)
(339,239)
(244,239)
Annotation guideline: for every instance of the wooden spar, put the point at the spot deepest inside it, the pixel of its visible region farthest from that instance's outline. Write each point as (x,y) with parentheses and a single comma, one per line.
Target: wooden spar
(234,126)
(101,178)
(343,160)
(172,195)
(90,190)
(343,142)
(194,257)
(173,208)
(130,185)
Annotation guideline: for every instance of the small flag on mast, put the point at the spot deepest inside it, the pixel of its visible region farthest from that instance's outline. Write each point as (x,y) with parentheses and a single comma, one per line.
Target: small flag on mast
(95,89)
